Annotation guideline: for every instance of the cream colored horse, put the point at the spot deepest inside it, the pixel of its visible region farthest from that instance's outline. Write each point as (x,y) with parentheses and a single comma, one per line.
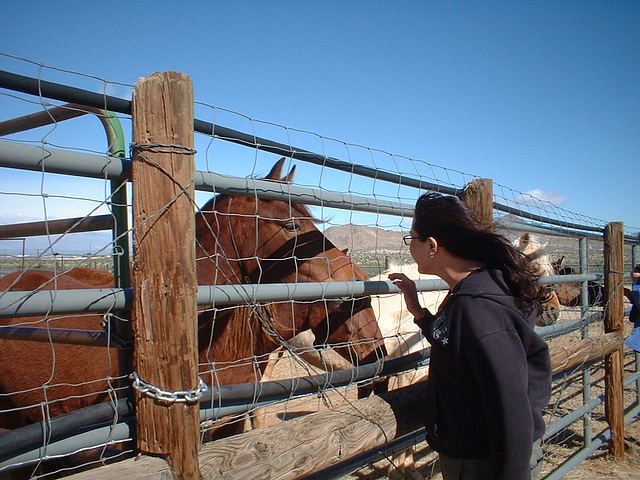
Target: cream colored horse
(535,251)
(401,335)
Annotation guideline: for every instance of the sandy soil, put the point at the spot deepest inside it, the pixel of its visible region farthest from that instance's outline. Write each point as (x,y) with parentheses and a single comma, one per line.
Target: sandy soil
(599,466)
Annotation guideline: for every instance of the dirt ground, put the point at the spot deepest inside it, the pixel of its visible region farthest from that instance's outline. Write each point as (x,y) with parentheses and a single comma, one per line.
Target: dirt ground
(598,466)
(601,465)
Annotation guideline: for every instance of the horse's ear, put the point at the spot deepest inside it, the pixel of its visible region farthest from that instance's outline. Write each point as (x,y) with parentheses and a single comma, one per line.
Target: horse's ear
(289,177)
(524,240)
(276,171)
(558,266)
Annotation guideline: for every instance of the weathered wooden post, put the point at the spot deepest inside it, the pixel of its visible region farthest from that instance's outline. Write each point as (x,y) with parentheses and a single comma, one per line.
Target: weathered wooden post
(613,322)
(478,194)
(164,275)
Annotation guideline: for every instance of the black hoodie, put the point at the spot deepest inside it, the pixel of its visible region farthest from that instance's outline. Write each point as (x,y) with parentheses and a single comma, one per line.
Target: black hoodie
(489,376)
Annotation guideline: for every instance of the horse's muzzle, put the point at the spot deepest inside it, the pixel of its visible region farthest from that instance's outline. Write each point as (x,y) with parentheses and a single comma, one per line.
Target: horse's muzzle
(352,305)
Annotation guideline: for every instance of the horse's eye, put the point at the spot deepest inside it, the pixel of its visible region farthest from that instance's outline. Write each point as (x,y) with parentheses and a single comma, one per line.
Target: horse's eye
(292,227)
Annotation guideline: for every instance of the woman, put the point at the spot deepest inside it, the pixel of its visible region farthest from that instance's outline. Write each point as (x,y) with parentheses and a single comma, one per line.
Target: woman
(489,373)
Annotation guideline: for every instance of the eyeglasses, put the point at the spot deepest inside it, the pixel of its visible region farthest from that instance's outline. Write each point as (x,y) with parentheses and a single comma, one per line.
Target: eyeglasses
(407,239)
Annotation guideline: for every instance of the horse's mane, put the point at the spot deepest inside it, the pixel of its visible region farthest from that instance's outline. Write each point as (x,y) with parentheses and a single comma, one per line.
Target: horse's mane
(302,208)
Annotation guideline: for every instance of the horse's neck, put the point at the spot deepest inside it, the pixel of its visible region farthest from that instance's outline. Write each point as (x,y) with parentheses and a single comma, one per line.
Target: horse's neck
(238,333)
(213,271)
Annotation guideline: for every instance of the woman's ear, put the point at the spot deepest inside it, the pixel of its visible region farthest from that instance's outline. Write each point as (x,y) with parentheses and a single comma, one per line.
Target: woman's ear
(433,245)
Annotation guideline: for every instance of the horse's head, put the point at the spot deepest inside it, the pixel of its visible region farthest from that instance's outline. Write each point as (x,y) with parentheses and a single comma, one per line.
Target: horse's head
(535,252)
(242,239)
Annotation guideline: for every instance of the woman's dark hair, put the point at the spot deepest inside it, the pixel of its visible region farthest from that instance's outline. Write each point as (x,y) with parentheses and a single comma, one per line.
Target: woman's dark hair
(454,225)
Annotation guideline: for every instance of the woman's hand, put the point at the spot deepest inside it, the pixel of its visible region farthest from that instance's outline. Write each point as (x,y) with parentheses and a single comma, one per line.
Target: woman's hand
(410,292)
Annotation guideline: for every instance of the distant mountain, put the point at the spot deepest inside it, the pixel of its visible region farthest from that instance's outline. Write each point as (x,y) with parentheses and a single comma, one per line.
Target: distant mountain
(362,237)
(369,246)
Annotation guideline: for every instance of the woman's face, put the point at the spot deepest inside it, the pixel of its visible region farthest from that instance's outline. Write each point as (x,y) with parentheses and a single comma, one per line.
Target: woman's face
(419,250)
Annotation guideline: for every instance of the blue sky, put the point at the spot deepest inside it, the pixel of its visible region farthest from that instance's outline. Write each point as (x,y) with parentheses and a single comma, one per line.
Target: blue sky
(542,97)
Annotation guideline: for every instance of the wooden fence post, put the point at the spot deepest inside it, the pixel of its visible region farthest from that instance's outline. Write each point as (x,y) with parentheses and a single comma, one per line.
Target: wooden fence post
(478,194)
(613,322)
(164,275)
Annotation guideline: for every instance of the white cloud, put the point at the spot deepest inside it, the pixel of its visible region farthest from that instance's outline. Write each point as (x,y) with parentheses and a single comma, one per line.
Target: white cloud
(531,197)
(118,90)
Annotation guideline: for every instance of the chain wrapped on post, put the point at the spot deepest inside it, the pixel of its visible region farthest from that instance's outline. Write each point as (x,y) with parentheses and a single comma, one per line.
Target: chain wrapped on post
(167,396)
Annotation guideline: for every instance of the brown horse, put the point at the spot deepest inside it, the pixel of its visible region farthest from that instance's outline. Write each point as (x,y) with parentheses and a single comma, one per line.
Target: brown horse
(239,240)
(569,293)
(285,246)
(39,379)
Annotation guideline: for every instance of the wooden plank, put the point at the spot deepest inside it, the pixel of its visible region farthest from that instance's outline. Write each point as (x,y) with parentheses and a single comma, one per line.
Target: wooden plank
(576,353)
(613,322)
(164,274)
(296,447)
(142,467)
(303,445)
(307,444)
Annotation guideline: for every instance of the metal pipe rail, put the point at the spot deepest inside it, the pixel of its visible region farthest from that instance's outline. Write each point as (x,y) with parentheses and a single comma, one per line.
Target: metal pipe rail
(576,278)
(214,182)
(31,157)
(90,338)
(352,464)
(41,88)
(547,229)
(66,162)
(24,444)
(224,400)
(94,300)
(56,227)
(559,329)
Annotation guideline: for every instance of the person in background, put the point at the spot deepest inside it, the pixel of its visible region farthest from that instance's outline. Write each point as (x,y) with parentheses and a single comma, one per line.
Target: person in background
(489,372)
(633,295)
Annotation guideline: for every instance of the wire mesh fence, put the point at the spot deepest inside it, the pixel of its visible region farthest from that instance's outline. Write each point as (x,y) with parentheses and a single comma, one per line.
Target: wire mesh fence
(340,215)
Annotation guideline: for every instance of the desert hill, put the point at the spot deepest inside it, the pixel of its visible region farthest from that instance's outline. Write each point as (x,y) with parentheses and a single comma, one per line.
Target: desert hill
(366,242)
(363,238)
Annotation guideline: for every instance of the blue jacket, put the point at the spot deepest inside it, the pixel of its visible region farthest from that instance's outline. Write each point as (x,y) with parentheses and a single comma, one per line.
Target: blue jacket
(489,376)
(635,302)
